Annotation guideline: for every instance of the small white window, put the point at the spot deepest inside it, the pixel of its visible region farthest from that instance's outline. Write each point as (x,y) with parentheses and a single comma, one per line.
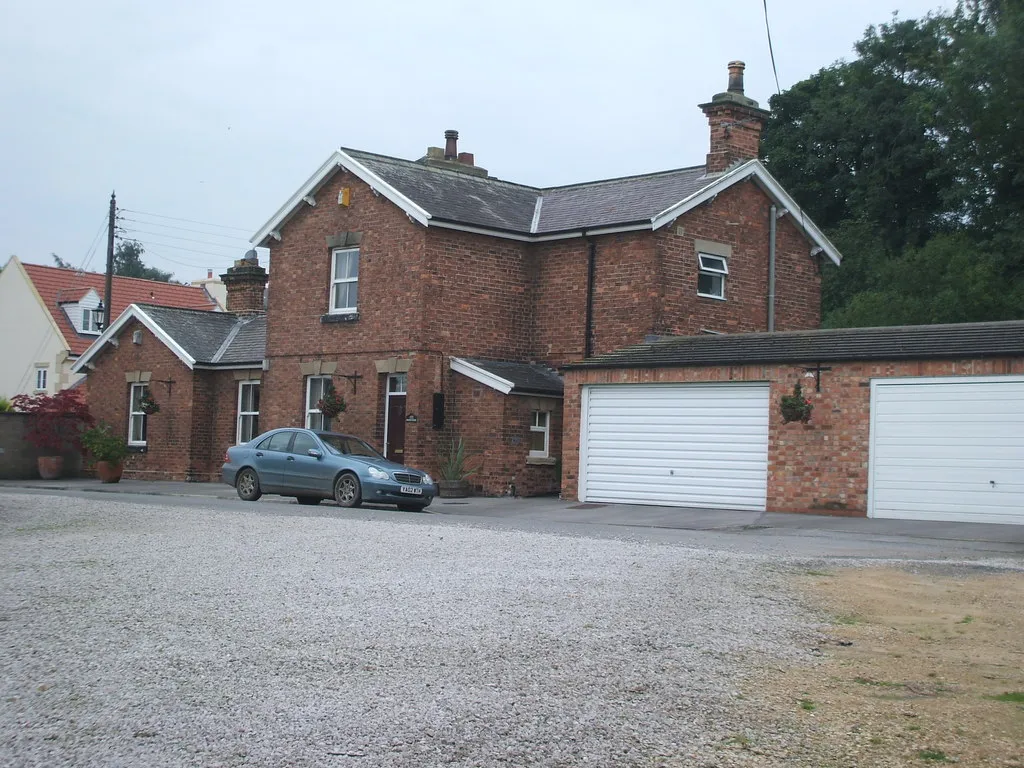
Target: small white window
(345,280)
(316,387)
(711,276)
(248,411)
(92,319)
(40,378)
(539,433)
(136,417)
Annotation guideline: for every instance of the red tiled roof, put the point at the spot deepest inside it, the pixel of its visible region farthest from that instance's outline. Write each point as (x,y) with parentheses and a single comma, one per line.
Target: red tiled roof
(57,286)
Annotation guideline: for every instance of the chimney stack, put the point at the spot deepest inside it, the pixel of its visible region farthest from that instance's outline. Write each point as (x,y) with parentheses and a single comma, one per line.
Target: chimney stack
(735,121)
(450,158)
(245,283)
(451,141)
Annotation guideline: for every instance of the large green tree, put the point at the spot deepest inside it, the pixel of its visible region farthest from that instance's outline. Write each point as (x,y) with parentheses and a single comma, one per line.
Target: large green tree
(909,156)
(128,262)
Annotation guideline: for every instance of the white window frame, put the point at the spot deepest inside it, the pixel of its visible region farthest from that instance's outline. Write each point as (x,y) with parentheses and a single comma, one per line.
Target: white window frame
(132,437)
(42,376)
(545,429)
(91,319)
(246,417)
(336,281)
(709,267)
(312,412)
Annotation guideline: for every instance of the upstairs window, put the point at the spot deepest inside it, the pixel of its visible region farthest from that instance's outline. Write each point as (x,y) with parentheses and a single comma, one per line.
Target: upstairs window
(344,280)
(92,319)
(40,377)
(540,431)
(711,276)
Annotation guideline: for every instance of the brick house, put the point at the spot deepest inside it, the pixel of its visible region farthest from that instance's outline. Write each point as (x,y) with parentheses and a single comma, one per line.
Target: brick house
(920,423)
(203,369)
(438,300)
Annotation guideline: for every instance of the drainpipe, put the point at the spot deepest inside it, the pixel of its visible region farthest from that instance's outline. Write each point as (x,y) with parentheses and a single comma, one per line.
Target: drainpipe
(771,269)
(588,345)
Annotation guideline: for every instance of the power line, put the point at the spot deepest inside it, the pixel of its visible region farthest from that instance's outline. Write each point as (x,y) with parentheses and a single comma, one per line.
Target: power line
(770,49)
(189,221)
(191,265)
(179,229)
(91,250)
(190,250)
(178,237)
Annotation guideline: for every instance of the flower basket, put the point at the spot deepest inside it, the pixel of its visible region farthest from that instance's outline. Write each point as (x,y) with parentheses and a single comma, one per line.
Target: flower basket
(795,407)
(148,405)
(331,404)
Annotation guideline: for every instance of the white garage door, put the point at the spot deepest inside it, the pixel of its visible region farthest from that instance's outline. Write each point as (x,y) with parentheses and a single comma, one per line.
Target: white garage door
(681,445)
(948,449)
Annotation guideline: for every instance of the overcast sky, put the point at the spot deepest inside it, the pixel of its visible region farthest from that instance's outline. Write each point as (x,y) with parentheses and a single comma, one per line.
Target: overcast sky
(216,111)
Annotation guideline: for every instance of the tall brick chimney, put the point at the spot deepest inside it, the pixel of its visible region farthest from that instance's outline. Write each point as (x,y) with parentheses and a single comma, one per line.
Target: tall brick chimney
(245,282)
(735,121)
(450,157)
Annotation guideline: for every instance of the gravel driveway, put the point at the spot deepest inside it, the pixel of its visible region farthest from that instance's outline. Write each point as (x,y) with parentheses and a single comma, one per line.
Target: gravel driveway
(170,636)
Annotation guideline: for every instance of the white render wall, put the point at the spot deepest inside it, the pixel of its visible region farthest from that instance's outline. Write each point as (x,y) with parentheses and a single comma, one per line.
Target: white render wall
(27,337)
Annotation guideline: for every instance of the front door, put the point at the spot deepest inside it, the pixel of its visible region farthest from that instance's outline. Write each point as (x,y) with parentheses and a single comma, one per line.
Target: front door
(394,420)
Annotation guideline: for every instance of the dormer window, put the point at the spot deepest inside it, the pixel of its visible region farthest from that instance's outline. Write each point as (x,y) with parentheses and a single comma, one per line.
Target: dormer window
(92,320)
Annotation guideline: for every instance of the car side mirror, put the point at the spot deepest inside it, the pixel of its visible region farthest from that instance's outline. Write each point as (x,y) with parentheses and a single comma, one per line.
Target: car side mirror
(314,453)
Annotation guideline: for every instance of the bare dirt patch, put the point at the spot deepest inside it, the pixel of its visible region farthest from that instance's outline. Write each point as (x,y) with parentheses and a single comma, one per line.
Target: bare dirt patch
(920,667)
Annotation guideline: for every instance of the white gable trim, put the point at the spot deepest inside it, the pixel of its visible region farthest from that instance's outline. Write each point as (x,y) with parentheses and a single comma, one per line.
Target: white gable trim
(338,159)
(109,335)
(755,170)
(477,373)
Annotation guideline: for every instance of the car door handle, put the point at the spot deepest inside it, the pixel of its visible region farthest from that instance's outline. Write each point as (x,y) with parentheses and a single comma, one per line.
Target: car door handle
(291,458)
(259,454)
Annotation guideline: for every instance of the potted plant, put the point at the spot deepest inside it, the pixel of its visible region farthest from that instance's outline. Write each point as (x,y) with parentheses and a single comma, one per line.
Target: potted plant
(455,470)
(107,451)
(331,404)
(148,405)
(796,407)
(55,425)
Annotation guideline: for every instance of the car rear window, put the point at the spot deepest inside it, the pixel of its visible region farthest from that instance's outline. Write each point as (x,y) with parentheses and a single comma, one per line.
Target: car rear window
(277,442)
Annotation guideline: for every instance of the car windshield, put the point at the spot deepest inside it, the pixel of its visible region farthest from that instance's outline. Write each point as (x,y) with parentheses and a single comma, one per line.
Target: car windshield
(352,446)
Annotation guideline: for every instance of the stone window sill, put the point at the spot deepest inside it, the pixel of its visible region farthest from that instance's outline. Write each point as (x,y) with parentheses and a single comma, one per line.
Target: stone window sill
(138,449)
(547,461)
(350,317)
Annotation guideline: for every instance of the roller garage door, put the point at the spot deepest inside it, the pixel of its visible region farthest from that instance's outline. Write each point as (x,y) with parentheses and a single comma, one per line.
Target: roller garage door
(684,445)
(948,448)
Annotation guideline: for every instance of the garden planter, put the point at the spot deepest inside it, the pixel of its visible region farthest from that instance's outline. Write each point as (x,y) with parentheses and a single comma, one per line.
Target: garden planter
(453,489)
(108,471)
(50,467)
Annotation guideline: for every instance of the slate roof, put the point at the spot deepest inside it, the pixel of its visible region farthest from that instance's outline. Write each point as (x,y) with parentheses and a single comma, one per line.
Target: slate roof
(213,338)
(526,378)
(57,286)
(955,341)
(495,204)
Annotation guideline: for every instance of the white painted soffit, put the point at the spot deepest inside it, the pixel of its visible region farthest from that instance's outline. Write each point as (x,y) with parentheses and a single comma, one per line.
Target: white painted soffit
(755,170)
(477,373)
(338,159)
(133,311)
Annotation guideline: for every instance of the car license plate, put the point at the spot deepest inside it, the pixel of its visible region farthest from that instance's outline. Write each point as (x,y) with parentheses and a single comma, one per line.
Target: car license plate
(412,489)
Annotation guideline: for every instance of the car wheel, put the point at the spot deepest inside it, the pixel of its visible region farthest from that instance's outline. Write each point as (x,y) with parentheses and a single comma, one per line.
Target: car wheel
(309,501)
(347,491)
(248,485)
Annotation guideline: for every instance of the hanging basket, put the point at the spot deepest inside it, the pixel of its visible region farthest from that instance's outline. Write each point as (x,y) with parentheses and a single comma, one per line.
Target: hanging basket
(331,404)
(795,407)
(148,405)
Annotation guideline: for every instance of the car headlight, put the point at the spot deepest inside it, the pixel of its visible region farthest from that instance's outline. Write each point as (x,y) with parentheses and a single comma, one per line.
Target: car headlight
(379,474)
(428,480)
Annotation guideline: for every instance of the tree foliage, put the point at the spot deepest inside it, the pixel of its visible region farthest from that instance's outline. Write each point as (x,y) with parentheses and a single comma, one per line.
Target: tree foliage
(910,158)
(128,262)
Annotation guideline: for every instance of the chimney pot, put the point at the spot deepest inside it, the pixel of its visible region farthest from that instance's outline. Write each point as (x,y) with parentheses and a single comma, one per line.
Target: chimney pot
(209,274)
(736,76)
(451,140)
(466,158)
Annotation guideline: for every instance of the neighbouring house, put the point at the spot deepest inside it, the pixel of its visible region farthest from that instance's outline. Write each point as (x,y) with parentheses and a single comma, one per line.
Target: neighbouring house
(439,300)
(919,423)
(202,369)
(50,315)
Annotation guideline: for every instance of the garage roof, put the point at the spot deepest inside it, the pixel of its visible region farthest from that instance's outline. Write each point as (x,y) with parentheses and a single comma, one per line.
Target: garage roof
(961,340)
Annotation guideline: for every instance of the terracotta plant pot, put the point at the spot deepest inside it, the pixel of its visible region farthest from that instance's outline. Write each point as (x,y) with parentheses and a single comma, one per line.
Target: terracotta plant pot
(109,472)
(50,467)
(453,489)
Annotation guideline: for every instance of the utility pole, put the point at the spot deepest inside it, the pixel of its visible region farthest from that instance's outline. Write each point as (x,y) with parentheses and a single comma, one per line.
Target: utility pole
(110,261)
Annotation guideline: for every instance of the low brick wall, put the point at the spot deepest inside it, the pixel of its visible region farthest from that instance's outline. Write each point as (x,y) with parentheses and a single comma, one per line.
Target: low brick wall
(18,456)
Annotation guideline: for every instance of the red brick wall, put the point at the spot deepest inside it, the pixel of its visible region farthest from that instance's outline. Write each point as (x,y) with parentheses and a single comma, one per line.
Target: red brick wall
(820,467)
(735,135)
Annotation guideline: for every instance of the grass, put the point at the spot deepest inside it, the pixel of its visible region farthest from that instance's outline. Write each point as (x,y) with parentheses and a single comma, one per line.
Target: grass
(936,755)
(1014,697)
(817,573)
(849,619)
(966,620)
(807,705)
(880,683)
